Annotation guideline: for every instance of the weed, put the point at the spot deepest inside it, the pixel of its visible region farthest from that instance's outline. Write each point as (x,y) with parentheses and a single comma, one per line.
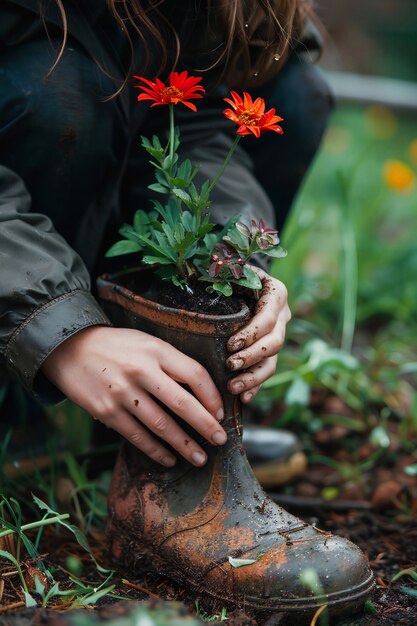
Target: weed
(207,617)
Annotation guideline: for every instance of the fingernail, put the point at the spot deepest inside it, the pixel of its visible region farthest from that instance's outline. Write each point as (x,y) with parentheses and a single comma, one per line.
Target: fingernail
(219,438)
(236,364)
(248,397)
(169,461)
(238,386)
(237,345)
(198,458)
(220,415)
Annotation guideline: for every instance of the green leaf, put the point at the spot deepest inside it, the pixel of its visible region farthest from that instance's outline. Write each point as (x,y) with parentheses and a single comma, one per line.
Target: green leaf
(188,221)
(181,194)
(155,151)
(184,170)
(225,288)
(123,247)
(180,182)
(277,252)
(148,259)
(241,562)
(408,368)
(155,142)
(169,233)
(322,355)
(298,393)
(159,188)
(210,240)
(411,470)
(93,597)
(39,586)
(170,254)
(309,578)
(169,213)
(243,229)
(409,591)
(168,162)
(140,221)
(127,232)
(30,602)
(249,279)
(412,573)
(379,437)
(235,239)
(10,557)
(191,251)
(369,607)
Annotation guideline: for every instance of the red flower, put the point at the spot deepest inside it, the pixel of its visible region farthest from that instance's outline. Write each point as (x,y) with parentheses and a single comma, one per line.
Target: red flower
(251,116)
(181,88)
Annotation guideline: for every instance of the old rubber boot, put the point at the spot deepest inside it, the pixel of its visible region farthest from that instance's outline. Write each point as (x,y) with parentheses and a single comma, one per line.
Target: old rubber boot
(275,455)
(186,523)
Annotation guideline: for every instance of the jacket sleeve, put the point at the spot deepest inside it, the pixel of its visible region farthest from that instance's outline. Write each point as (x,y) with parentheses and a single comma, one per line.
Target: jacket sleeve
(44,288)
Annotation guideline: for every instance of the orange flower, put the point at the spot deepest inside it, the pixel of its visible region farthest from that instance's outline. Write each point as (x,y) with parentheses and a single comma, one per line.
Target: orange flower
(251,116)
(181,88)
(398,176)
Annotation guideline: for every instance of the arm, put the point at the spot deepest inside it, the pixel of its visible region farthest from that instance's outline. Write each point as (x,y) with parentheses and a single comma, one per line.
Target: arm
(44,288)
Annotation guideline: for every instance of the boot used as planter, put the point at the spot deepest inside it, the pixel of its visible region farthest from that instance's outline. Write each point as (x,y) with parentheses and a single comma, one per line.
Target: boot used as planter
(189,523)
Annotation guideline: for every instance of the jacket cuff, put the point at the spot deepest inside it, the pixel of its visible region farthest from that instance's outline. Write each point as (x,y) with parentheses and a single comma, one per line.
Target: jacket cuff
(43,331)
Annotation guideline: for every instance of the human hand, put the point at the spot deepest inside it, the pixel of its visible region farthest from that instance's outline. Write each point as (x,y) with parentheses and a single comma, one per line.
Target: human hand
(255,347)
(115,374)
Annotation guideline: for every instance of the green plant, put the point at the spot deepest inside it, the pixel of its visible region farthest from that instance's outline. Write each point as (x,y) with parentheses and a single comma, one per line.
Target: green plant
(310,579)
(78,595)
(210,617)
(177,237)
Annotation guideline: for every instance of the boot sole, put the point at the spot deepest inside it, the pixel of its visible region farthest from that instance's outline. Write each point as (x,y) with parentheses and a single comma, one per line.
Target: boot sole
(340,604)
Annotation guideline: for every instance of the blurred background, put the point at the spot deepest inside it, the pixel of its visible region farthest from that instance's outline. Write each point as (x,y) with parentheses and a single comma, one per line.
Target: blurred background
(346,380)
(371,37)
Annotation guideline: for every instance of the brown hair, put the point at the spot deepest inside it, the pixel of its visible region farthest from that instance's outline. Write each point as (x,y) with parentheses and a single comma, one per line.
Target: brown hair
(251,38)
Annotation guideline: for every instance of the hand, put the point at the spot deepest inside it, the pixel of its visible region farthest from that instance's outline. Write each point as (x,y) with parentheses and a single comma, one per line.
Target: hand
(116,374)
(254,348)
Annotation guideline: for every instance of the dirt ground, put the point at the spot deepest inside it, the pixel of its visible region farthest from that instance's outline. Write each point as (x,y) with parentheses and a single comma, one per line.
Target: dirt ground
(374,505)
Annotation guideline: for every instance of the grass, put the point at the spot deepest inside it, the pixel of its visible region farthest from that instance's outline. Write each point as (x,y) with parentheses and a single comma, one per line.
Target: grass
(351,270)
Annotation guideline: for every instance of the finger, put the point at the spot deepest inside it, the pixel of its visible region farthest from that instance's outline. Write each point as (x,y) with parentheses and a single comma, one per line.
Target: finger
(249,395)
(185,370)
(129,427)
(267,346)
(186,406)
(273,300)
(250,379)
(166,428)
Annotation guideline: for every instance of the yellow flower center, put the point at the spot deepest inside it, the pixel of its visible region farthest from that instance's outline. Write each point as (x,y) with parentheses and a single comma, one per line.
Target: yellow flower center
(248,118)
(171,92)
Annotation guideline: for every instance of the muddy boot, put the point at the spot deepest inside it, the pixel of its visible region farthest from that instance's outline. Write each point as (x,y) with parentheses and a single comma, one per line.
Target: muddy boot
(275,455)
(191,524)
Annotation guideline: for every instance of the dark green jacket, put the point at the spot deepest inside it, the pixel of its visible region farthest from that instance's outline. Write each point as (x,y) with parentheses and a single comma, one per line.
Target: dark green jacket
(71,168)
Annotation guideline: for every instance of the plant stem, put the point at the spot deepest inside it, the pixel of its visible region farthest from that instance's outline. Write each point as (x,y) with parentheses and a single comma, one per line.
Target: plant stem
(171,134)
(38,524)
(350,269)
(223,167)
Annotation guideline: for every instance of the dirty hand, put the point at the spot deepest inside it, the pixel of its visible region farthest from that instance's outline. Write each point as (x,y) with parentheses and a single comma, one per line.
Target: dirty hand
(254,347)
(117,374)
